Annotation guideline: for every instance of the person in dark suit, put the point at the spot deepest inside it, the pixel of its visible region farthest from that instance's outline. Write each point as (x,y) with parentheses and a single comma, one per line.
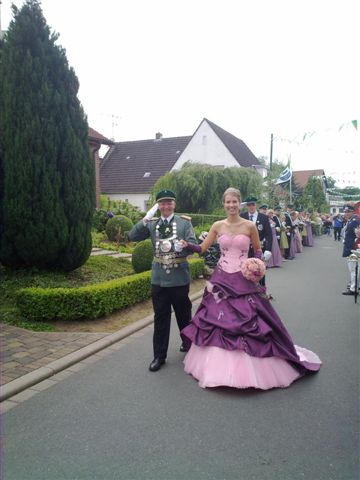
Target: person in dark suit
(353,222)
(263,227)
(170,273)
(289,230)
(277,221)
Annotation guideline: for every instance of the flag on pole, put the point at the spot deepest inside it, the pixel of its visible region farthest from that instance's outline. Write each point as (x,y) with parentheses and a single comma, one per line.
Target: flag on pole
(285,176)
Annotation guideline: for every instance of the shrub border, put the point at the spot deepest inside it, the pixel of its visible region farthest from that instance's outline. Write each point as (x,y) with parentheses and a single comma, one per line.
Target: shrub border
(92,301)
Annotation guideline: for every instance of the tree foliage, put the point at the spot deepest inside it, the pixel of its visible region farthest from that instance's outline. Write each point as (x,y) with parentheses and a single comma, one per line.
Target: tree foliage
(48,193)
(199,188)
(313,196)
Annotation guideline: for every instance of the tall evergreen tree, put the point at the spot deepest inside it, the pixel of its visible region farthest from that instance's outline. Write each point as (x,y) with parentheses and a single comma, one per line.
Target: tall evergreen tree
(48,189)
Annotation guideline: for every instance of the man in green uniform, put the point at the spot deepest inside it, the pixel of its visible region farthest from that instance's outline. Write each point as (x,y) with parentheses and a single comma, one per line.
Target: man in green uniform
(170,274)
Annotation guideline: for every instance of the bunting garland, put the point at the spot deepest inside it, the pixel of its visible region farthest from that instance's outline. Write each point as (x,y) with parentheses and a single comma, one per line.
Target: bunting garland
(300,139)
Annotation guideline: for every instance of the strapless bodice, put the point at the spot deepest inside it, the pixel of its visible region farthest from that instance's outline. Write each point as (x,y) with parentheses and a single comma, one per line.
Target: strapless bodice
(234,250)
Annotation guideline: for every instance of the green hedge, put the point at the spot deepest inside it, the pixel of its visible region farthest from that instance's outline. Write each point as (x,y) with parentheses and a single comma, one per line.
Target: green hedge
(92,301)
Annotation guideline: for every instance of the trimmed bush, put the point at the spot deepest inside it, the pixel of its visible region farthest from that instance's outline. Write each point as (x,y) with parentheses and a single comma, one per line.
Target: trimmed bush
(142,256)
(93,301)
(118,225)
(99,219)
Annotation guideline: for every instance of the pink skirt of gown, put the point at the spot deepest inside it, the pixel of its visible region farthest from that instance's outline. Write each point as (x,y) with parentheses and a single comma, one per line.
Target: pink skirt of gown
(237,338)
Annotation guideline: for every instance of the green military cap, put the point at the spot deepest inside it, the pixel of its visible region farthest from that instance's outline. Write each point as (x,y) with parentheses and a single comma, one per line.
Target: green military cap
(165,195)
(264,206)
(278,207)
(250,200)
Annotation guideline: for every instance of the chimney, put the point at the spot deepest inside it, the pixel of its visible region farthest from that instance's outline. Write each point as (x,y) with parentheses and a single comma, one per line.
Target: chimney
(158,137)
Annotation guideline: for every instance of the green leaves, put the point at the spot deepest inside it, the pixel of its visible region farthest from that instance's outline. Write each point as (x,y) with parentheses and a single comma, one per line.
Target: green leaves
(47,195)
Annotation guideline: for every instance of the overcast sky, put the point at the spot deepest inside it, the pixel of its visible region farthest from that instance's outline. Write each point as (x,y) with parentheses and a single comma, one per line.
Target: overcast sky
(254,67)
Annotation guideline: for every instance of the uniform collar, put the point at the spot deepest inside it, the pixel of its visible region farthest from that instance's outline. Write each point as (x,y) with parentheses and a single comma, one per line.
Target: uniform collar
(169,218)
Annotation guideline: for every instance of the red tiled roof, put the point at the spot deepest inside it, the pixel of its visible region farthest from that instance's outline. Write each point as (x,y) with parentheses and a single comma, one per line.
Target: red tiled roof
(98,138)
(301,177)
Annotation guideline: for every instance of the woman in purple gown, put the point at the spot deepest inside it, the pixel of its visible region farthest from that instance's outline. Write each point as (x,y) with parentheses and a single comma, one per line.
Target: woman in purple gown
(310,240)
(237,338)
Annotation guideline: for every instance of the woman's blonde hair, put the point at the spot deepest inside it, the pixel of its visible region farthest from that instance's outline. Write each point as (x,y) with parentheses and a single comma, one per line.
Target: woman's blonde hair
(232,191)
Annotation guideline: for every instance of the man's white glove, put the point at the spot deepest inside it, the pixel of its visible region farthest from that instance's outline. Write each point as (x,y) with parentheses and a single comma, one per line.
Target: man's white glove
(267,255)
(149,215)
(177,246)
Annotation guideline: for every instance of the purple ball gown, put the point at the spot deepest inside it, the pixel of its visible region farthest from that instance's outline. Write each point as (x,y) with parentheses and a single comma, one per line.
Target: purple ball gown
(310,239)
(238,340)
(276,258)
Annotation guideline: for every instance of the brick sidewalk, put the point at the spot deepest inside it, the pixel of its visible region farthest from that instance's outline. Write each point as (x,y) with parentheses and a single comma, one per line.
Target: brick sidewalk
(23,351)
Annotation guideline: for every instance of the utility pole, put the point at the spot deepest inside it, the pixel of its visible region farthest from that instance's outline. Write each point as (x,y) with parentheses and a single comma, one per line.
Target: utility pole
(271,150)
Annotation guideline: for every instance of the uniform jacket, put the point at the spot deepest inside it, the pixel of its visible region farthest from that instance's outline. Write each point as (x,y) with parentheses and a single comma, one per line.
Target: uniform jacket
(289,223)
(350,236)
(177,276)
(278,224)
(264,230)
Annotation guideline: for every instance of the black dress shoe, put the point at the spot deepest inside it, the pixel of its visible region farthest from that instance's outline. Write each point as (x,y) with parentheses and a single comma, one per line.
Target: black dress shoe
(156,364)
(348,292)
(183,348)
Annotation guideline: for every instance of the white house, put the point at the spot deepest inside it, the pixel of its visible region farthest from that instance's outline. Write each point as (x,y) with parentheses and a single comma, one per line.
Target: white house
(130,169)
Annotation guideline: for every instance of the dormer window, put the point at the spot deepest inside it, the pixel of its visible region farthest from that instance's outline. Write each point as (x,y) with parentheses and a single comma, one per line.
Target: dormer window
(147,174)
(128,157)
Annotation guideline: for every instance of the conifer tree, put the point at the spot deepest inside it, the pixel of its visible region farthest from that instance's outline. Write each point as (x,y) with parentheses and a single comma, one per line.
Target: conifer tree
(48,186)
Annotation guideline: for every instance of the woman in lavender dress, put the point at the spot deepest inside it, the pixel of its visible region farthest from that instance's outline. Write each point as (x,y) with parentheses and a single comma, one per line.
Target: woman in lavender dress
(310,240)
(238,340)
(276,258)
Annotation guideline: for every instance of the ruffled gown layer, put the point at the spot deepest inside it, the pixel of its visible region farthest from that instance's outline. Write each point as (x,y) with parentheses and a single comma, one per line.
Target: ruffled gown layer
(238,340)
(276,258)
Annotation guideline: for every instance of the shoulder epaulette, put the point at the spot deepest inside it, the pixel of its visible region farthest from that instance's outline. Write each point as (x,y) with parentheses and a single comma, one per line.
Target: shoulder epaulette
(185,217)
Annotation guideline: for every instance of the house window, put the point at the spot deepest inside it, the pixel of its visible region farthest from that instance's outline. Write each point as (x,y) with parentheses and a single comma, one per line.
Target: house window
(147,174)
(204,140)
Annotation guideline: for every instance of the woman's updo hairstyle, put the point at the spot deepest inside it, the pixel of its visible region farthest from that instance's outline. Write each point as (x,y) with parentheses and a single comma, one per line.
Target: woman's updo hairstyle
(234,192)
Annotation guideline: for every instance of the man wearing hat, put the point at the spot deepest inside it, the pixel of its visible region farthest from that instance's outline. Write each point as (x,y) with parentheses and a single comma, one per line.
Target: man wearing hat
(353,222)
(170,274)
(263,227)
(263,209)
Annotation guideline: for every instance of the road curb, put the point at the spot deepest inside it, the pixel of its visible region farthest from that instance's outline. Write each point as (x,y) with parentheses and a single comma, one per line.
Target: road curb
(19,384)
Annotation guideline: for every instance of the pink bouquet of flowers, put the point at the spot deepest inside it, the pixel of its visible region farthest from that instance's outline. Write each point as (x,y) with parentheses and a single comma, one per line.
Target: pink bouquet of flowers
(253,269)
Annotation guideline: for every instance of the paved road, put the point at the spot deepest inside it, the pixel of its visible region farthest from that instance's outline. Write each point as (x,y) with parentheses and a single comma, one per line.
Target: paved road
(114,420)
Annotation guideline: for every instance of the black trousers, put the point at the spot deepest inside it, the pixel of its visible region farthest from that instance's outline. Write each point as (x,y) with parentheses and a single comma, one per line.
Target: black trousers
(163,298)
(337,233)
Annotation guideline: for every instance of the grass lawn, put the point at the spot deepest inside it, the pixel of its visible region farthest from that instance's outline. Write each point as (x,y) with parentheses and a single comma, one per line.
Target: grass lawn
(96,269)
